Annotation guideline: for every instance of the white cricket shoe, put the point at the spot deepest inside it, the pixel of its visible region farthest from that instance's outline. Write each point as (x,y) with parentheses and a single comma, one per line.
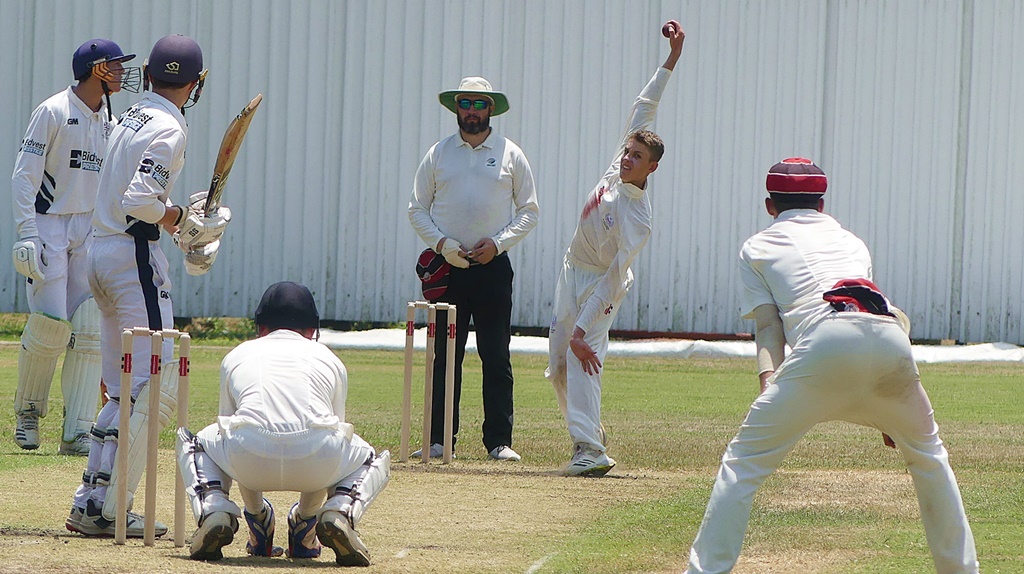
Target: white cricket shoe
(90,522)
(589,462)
(77,447)
(436,451)
(26,432)
(217,531)
(504,453)
(335,531)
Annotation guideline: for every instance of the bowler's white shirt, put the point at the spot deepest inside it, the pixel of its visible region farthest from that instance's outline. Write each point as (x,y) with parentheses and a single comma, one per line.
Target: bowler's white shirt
(616,219)
(57,168)
(283,382)
(144,158)
(471,193)
(793,262)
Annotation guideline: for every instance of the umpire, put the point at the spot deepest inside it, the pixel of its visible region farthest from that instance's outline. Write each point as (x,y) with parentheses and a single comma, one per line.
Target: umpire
(473,199)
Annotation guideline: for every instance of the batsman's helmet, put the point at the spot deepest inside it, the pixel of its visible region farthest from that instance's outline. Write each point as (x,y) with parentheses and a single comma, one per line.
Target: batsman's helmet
(93,57)
(175,59)
(287,305)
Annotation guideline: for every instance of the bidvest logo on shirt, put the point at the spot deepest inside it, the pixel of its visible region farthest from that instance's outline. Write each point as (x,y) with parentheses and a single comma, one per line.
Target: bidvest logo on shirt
(87,160)
(134,118)
(158,172)
(33,147)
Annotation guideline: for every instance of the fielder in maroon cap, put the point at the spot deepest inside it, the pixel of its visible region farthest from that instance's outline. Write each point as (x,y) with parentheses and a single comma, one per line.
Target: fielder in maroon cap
(807,284)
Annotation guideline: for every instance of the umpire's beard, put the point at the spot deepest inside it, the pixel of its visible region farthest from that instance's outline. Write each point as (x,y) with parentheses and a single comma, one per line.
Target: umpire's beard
(473,126)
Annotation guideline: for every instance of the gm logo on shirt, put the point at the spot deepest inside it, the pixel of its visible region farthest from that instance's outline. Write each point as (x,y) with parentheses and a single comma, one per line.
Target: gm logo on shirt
(72,121)
(87,160)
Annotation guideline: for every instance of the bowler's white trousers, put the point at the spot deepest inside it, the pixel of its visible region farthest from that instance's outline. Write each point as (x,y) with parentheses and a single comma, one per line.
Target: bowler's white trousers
(853,367)
(579,393)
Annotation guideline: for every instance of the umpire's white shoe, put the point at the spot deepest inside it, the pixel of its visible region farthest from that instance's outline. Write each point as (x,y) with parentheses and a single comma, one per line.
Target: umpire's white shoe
(589,462)
(335,531)
(26,430)
(217,531)
(504,453)
(90,522)
(436,451)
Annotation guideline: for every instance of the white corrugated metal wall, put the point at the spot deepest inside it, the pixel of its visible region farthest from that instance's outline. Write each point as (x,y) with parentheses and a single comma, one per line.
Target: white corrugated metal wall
(909,106)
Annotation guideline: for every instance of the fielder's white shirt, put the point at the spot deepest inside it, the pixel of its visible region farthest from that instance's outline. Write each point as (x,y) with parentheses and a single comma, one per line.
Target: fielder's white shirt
(283,382)
(616,219)
(57,169)
(793,262)
(144,158)
(468,193)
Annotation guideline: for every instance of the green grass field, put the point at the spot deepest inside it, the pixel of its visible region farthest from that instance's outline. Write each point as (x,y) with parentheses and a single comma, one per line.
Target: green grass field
(842,503)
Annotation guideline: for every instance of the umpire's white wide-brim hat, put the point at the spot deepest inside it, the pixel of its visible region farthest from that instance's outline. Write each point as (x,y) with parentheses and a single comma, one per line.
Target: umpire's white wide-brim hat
(474,85)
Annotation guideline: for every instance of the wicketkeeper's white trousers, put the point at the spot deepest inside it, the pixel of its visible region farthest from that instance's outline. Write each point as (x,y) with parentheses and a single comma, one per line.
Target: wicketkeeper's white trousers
(578,393)
(853,367)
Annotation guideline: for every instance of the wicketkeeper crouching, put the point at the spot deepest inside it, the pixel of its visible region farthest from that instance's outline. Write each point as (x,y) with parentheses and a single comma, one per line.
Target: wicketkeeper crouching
(282,427)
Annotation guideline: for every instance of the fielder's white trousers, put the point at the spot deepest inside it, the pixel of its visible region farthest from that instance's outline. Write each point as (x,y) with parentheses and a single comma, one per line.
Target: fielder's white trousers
(308,461)
(579,393)
(65,241)
(853,367)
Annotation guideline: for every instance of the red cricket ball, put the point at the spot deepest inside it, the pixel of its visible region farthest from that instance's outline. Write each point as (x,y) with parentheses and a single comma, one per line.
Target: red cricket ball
(667,29)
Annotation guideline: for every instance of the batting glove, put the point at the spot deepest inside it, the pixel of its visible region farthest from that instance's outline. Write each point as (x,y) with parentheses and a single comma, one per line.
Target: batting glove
(450,252)
(28,258)
(200,260)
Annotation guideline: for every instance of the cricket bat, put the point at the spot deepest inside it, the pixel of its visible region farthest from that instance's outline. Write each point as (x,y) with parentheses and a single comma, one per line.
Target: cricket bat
(228,152)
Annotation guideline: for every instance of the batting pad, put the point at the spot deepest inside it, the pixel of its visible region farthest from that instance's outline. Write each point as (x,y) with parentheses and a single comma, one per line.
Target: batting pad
(42,341)
(205,483)
(83,368)
(366,483)
(137,442)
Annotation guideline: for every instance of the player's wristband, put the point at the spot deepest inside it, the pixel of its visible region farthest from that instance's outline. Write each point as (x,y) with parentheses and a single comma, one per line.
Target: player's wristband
(181,215)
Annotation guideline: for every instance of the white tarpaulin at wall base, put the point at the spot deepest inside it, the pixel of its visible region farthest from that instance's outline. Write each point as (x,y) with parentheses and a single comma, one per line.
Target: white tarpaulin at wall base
(394,339)
(912,108)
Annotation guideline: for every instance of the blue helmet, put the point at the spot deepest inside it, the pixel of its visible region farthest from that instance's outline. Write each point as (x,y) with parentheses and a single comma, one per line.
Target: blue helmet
(176,59)
(94,52)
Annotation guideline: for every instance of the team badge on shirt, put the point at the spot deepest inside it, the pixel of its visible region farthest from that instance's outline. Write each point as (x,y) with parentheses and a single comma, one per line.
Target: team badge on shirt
(609,221)
(491,162)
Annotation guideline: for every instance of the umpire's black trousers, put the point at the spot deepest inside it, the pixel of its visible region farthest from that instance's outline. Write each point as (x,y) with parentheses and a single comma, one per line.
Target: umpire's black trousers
(482,293)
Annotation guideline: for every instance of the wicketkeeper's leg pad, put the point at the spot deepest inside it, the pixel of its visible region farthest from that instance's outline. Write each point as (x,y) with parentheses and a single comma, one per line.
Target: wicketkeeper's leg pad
(42,342)
(353,495)
(206,484)
(83,368)
(138,424)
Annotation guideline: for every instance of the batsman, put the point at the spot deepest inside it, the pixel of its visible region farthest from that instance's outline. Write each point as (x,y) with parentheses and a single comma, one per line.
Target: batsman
(54,185)
(128,271)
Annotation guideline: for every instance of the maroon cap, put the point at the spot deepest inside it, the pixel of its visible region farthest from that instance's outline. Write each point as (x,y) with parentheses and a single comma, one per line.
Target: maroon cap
(796,175)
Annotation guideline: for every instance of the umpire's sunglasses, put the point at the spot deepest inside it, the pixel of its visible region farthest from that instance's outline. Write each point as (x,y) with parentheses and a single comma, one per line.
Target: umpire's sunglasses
(475,104)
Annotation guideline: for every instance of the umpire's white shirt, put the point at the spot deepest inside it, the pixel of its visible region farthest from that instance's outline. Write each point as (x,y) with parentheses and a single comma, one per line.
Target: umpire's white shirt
(793,262)
(57,169)
(471,193)
(144,158)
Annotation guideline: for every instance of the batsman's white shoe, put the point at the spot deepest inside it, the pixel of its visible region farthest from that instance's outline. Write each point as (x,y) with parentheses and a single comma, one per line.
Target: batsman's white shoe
(504,453)
(589,462)
(77,447)
(335,531)
(26,431)
(436,451)
(217,531)
(90,522)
